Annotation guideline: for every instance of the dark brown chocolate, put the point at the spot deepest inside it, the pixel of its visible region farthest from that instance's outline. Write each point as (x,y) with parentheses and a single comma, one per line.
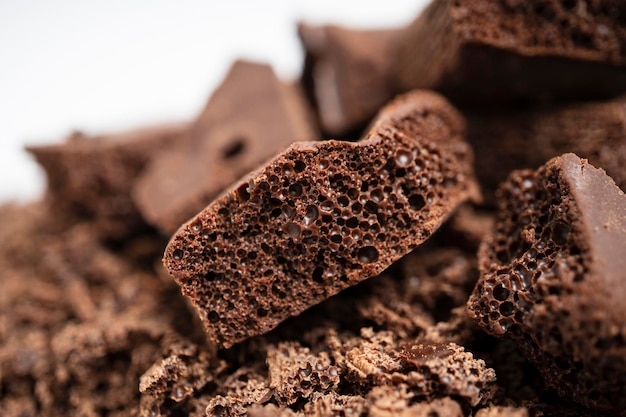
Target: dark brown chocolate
(510,140)
(552,278)
(249,118)
(494,52)
(321,217)
(91,177)
(347,74)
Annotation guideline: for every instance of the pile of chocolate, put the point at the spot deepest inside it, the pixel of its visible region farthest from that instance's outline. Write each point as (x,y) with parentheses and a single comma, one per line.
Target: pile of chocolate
(428,223)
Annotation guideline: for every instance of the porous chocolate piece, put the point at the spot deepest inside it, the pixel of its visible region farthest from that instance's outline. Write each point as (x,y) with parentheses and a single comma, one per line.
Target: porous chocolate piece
(249,118)
(490,52)
(446,369)
(423,369)
(91,177)
(243,389)
(552,278)
(347,74)
(371,358)
(176,379)
(321,217)
(526,139)
(295,372)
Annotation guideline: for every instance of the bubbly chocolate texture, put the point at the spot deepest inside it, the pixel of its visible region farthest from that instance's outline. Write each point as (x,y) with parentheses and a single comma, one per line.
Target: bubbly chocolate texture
(321,217)
(250,117)
(552,278)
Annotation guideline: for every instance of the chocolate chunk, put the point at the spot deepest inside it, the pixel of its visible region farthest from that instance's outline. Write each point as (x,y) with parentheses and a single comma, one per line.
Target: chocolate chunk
(296,373)
(321,217)
(347,74)
(446,369)
(244,388)
(490,52)
(248,119)
(552,278)
(91,177)
(526,139)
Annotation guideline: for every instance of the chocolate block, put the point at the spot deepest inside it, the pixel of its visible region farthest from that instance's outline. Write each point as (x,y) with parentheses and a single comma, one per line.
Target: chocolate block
(494,52)
(347,74)
(321,217)
(91,177)
(248,119)
(552,278)
(526,139)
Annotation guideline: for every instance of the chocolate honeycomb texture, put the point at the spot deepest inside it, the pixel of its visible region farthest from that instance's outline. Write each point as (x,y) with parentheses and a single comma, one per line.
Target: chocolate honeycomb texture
(552,278)
(332,278)
(321,217)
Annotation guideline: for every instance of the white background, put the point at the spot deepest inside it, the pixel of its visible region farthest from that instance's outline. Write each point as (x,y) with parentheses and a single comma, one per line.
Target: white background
(111,65)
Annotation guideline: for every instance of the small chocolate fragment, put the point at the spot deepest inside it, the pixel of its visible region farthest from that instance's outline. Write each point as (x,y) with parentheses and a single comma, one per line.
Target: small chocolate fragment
(321,217)
(552,278)
(511,140)
(388,402)
(347,74)
(494,52)
(249,118)
(91,177)
(296,373)
(446,369)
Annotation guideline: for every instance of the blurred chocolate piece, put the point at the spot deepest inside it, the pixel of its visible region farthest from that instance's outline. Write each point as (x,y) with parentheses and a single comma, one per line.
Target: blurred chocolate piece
(552,278)
(321,217)
(78,324)
(494,52)
(347,74)
(249,118)
(505,141)
(437,369)
(91,177)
